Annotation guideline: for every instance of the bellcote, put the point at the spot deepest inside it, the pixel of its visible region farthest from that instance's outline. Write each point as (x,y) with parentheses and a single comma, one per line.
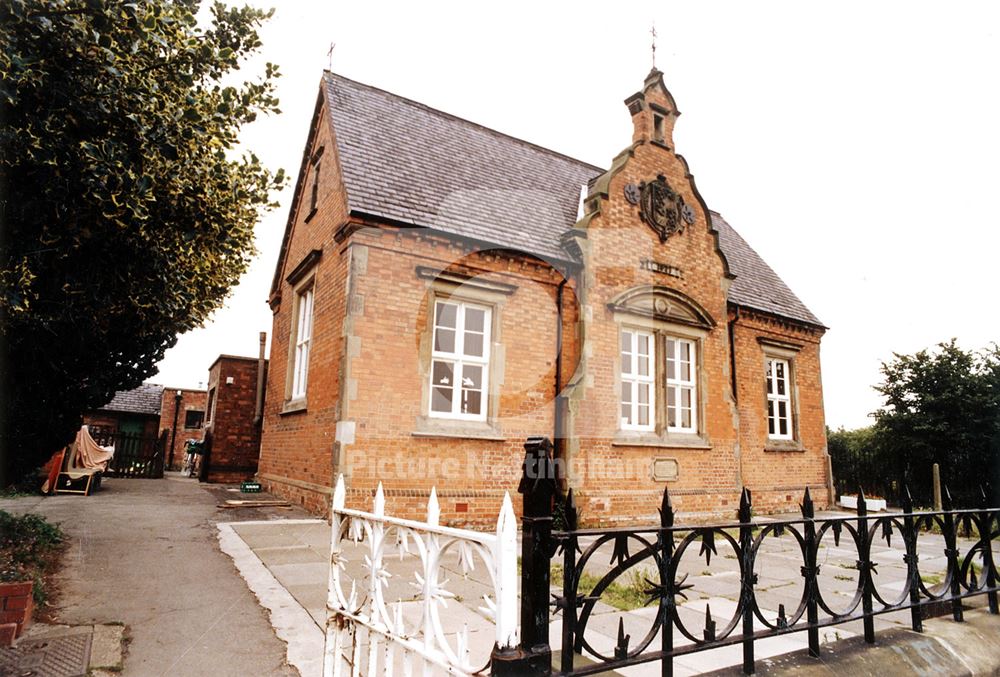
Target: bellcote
(653,112)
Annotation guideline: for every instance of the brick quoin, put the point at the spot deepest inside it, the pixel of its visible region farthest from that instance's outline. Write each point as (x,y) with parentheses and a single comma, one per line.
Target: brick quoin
(367,369)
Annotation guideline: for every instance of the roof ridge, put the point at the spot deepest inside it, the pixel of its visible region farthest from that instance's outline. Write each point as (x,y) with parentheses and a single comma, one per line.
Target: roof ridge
(452,116)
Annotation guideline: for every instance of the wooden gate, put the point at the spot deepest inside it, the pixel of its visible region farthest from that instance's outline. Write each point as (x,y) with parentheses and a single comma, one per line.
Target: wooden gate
(136,455)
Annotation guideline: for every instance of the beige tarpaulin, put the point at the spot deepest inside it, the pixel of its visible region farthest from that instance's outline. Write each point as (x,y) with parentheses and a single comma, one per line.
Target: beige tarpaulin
(88,454)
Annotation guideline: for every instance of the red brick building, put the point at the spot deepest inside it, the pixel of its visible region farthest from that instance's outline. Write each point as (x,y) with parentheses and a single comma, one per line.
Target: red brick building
(232,418)
(444,291)
(182,416)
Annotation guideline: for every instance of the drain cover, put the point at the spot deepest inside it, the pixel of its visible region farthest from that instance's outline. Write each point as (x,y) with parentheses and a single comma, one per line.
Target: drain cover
(66,656)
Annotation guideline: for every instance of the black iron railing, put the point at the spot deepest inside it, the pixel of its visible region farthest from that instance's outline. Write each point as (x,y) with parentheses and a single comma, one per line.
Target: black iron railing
(657,552)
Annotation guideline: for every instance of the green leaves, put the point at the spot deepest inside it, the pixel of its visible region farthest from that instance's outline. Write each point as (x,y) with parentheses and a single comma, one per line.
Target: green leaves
(116,234)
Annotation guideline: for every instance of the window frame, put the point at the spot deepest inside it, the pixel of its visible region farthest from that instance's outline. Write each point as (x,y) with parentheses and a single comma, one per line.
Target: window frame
(636,379)
(660,433)
(304,283)
(787,352)
(459,359)
(201,422)
(775,398)
(301,342)
(679,385)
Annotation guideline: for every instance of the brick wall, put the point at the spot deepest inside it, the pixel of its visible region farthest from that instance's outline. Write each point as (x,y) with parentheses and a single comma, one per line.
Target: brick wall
(16,608)
(235,437)
(190,401)
(369,352)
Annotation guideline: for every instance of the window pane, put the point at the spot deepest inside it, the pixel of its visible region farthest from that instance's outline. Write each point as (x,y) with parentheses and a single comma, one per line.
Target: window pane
(671,407)
(441,399)
(626,342)
(770,376)
(783,417)
(685,371)
(443,373)
(473,345)
(626,414)
(444,340)
(780,370)
(643,414)
(472,376)
(686,398)
(643,366)
(643,393)
(474,319)
(446,315)
(685,418)
(627,392)
(643,341)
(626,363)
(472,402)
(685,351)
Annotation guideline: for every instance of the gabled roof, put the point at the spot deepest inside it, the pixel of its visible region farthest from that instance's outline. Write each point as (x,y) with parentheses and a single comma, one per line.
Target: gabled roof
(142,400)
(405,162)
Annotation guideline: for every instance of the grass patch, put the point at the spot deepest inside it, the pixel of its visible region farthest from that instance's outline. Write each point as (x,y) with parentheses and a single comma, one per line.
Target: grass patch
(621,595)
(30,548)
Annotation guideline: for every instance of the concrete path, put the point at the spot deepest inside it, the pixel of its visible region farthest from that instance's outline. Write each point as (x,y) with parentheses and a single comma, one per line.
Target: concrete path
(145,553)
(295,555)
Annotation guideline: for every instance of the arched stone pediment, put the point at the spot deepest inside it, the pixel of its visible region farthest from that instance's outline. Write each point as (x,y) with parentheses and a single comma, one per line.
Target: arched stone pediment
(662,303)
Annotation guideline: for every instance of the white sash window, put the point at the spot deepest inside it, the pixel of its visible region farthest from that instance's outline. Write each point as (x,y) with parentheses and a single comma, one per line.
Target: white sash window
(460,360)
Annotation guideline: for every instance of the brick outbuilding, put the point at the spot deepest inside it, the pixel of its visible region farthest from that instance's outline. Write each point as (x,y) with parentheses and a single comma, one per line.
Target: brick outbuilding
(444,291)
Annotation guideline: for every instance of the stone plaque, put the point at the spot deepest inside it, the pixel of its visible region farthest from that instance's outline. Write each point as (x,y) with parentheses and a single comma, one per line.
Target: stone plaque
(665,469)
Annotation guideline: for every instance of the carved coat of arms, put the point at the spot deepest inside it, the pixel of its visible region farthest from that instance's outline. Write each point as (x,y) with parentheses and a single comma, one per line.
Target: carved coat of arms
(663,208)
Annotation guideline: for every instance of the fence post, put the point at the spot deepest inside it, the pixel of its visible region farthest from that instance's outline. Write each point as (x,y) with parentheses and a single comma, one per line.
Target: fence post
(951,551)
(570,596)
(506,562)
(811,573)
(668,603)
(747,579)
(865,568)
(936,473)
(986,536)
(538,486)
(911,558)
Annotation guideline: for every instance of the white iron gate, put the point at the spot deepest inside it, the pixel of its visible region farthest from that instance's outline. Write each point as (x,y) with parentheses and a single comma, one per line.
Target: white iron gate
(366,633)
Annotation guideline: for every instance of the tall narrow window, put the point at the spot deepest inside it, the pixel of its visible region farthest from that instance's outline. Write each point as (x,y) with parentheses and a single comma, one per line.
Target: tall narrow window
(460,360)
(303,339)
(681,381)
(637,396)
(779,400)
(314,198)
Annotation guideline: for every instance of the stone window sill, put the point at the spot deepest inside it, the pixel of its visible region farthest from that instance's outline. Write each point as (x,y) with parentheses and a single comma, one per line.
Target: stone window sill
(436,427)
(783,445)
(667,440)
(294,406)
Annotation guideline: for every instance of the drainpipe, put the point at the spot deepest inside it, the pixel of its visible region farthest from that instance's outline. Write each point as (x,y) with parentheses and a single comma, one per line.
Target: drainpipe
(259,408)
(173,431)
(559,444)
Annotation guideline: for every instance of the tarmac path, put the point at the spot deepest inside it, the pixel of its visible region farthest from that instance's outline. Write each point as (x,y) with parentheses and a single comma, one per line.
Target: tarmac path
(145,553)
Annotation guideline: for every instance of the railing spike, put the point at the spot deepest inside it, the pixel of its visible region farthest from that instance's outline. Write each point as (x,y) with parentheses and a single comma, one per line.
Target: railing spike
(807,508)
(433,509)
(906,499)
(570,513)
(621,648)
(984,501)
(946,501)
(862,503)
(339,493)
(709,624)
(378,506)
(746,509)
(666,509)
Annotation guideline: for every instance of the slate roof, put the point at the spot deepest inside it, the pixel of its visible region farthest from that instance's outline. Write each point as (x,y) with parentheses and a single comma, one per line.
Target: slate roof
(406,162)
(142,400)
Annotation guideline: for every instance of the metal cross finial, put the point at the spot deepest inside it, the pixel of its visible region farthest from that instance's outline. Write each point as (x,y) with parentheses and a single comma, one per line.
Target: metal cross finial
(652,32)
(329,56)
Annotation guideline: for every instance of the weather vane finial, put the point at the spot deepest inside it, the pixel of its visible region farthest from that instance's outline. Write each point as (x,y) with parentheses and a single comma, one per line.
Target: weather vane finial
(329,56)
(652,32)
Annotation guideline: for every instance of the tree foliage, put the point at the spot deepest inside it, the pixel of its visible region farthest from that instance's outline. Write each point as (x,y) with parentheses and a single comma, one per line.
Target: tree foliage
(942,407)
(126,213)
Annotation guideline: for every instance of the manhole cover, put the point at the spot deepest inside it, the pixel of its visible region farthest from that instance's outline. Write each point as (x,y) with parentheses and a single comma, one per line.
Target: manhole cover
(66,656)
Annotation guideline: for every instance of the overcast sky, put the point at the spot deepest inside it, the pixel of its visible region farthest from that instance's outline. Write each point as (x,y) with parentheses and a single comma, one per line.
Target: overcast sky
(854,145)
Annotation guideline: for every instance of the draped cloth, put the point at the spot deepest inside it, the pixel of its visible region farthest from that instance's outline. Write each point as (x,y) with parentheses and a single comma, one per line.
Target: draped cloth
(89,454)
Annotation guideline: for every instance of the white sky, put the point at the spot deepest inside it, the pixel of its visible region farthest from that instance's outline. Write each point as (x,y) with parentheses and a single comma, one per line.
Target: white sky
(854,145)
